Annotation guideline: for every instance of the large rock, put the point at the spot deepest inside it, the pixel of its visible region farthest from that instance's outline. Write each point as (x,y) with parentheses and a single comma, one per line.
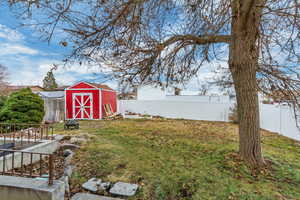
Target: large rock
(95,185)
(92,184)
(104,185)
(85,196)
(67,152)
(124,189)
(68,159)
(78,140)
(59,137)
(68,170)
(69,146)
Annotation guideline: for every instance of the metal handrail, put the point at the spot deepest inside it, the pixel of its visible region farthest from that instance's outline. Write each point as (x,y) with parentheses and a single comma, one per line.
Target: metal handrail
(22,163)
(27,131)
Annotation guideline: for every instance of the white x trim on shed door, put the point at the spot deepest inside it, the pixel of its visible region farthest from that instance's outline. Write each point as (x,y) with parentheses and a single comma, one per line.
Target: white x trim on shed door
(82,106)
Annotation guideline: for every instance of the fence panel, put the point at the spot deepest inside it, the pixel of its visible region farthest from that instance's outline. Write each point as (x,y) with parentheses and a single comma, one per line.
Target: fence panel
(279,119)
(177,109)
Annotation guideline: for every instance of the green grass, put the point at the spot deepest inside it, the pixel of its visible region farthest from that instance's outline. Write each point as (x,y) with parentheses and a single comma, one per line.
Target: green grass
(182,159)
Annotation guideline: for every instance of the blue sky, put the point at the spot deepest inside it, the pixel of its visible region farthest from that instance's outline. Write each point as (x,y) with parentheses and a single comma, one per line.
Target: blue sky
(28,58)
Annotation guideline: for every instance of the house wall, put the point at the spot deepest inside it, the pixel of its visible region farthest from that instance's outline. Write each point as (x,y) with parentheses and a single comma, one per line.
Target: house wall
(177,109)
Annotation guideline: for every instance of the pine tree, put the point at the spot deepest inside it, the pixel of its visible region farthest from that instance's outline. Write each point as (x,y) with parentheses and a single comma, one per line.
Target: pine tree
(49,82)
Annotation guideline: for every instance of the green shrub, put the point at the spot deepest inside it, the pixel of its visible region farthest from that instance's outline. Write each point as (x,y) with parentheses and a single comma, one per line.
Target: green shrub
(22,107)
(2,101)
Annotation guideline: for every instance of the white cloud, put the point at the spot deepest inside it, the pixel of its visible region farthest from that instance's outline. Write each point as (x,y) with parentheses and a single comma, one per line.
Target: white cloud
(32,72)
(14,43)
(14,49)
(10,34)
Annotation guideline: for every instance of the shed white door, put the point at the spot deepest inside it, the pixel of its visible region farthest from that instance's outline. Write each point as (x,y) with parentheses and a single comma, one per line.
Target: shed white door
(82,106)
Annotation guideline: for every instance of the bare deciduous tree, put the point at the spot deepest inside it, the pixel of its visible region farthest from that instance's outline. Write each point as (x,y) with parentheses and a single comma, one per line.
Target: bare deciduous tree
(204,88)
(169,40)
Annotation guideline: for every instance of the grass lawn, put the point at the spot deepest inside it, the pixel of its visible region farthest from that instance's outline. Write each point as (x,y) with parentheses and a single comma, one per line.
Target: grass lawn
(183,159)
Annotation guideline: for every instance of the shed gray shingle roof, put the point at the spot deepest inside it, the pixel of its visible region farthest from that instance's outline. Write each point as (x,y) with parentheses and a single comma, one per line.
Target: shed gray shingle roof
(52,94)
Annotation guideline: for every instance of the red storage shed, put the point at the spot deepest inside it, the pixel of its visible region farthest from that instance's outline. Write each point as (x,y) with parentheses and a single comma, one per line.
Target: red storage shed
(86,101)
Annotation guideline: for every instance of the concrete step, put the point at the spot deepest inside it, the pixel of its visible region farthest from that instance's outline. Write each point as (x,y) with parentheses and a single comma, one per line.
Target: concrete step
(86,196)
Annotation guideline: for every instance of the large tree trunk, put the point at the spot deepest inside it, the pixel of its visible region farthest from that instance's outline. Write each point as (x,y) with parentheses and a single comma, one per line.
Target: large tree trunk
(243,64)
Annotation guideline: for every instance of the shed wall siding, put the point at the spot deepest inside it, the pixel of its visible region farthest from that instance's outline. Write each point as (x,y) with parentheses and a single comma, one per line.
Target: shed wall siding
(100,97)
(109,97)
(69,103)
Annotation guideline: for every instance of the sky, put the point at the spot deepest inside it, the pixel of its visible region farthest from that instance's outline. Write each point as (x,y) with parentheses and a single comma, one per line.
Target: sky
(28,58)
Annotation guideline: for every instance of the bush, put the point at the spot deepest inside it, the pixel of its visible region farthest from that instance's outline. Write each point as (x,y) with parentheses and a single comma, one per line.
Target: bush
(2,101)
(23,107)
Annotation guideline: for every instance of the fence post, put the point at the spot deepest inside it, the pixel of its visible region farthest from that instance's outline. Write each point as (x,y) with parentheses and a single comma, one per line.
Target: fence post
(51,169)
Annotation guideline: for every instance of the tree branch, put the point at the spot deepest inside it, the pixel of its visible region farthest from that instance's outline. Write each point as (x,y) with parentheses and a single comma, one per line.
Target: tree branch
(199,40)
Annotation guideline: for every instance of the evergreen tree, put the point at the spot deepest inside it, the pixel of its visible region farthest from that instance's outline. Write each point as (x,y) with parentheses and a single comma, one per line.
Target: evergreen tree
(2,100)
(49,82)
(23,107)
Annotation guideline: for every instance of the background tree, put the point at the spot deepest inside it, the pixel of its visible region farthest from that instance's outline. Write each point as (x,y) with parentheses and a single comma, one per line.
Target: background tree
(49,82)
(3,85)
(3,78)
(168,41)
(23,107)
(204,87)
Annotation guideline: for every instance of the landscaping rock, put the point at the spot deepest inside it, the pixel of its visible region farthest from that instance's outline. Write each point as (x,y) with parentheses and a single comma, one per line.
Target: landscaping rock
(67,137)
(68,159)
(92,184)
(104,185)
(124,189)
(77,140)
(59,137)
(69,146)
(67,152)
(85,196)
(68,170)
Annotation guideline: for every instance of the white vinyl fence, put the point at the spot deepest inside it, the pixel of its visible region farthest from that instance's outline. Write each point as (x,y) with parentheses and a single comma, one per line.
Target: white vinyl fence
(279,119)
(275,118)
(177,109)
